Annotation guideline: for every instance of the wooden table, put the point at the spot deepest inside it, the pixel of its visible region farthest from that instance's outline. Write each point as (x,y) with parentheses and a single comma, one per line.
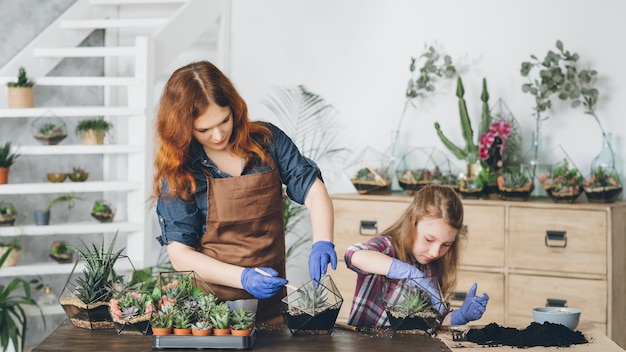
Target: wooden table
(68,338)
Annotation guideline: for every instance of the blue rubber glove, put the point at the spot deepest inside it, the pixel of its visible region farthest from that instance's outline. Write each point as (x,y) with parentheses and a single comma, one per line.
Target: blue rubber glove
(472,308)
(322,253)
(259,285)
(405,271)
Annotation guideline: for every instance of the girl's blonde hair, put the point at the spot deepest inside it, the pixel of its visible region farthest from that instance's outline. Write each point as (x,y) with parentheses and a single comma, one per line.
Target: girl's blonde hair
(434,202)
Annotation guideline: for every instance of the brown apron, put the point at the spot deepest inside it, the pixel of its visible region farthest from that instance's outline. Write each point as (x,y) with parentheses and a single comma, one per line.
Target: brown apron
(245,227)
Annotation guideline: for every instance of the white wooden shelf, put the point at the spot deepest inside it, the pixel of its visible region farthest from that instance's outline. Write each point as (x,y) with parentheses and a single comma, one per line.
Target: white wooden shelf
(78,228)
(79,149)
(74,111)
(66,187)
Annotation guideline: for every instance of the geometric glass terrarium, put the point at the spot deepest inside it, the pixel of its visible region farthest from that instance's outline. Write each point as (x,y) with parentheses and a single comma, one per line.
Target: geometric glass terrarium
(424,166)
(49,129)
(86,294)
(411,306)
(563,183)
(131,311)
(370,172)
(313,308)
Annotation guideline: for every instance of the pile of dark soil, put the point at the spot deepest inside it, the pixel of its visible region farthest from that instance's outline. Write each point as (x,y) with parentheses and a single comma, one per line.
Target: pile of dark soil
(546,334)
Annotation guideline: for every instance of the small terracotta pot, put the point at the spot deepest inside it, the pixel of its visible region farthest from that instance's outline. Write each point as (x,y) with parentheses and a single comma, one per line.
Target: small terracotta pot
(4,175)
(161,331)
(245,332)
(221,332)
(195,332)
(179,331)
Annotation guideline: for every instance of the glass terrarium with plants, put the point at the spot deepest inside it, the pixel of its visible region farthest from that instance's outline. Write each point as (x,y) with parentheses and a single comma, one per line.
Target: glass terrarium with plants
(515,185)
(410,306)
(370,172)
(78,174)
(103,211)
(424,166)
(313,308)
(564,183)
(49,129)
(8,214)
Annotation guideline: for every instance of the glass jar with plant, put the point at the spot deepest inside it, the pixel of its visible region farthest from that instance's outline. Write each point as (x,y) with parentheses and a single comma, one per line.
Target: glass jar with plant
(131,311)
(93,130)
(8,214)
(62,252)
(515,185)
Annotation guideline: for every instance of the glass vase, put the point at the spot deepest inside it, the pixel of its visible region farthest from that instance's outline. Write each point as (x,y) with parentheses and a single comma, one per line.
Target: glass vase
(537,163)
(604,184)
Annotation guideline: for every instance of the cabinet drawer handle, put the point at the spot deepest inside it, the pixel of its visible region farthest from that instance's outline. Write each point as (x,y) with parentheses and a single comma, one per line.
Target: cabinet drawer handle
(556,236)
(368,228)
(556,302)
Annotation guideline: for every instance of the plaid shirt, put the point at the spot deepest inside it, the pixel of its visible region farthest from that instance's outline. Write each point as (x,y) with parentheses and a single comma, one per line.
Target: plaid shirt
(368,305)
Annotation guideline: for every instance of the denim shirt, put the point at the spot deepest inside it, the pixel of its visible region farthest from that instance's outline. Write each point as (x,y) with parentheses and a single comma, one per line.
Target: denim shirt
(185,222)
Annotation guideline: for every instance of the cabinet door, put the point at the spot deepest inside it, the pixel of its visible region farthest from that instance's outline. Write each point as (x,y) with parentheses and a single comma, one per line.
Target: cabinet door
(345,280)
(562,240)
(527,292)
(484,242)
(359,220)
(490,283)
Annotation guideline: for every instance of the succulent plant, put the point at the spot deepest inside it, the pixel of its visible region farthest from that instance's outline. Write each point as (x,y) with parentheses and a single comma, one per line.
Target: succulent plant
(220,316)
(22,80)
(414,300)
(98,273)
(312,297)
(241,319)
(202,325)
(514,180)
(182,318)
(164,318)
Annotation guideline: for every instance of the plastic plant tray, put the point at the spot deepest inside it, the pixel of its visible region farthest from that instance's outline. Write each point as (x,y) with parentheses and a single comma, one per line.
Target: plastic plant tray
(205,342)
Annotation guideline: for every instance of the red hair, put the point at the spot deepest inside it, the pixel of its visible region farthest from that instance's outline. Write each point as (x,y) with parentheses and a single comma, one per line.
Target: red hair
(186,95)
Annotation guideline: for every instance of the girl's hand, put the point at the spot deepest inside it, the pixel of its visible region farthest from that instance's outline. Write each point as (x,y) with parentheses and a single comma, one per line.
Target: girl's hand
(472,308)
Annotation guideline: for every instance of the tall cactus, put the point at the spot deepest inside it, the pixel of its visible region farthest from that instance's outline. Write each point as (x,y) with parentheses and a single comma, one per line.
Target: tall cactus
(470,152)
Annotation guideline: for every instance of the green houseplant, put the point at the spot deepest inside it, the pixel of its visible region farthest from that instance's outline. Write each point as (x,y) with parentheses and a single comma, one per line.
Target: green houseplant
(21,91)
(564,184)
(93,130)
(102,211)
(42,217)
(7,159)
(14,246)
(13,318)
(241,322)
(515,185)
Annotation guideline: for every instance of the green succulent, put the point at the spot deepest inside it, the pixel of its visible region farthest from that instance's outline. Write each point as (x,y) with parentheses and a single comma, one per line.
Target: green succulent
(220,316)
(414,300)
(241,319)
(22,80)
(163,318)
(98,272)
(6,157)
(312,297)
(183,318)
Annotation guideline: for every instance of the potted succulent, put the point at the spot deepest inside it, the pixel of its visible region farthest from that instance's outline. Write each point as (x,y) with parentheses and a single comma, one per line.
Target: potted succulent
(78,174)
(85,297)
(313,308)
(515,186)
(12,314)
(409,306)
(182,320)
(42,217)
(49,130)
(61,252)
(220,317)
(241,322)
(12,247)
(8,214)
(103,211)
(93,130)
(202,328)
(564,184)
(7,159)
(161,321)
(21,91)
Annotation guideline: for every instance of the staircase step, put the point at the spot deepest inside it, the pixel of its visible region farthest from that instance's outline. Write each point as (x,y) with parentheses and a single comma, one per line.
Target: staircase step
(135,2)
(87,81)
(85,52)
(115,23)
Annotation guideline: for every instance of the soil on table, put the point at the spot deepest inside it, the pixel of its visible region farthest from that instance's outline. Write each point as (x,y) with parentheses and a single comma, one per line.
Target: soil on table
(546,334)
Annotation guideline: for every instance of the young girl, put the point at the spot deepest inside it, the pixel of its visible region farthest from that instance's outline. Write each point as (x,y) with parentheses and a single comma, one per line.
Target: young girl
(421,244)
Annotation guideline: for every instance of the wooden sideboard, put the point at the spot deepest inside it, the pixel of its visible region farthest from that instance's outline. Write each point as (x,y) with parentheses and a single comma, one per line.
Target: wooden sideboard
(523,254)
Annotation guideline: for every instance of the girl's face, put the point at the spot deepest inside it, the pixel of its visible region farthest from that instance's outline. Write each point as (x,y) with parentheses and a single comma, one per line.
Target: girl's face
(434,238)
(214,127)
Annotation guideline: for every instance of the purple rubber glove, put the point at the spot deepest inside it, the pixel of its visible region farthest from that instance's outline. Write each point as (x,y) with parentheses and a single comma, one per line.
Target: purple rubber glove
(322,253)
(259,285)
(405,271)
(472,308)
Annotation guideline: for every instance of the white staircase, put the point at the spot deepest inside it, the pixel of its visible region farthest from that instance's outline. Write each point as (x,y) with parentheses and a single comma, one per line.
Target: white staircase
(144,41)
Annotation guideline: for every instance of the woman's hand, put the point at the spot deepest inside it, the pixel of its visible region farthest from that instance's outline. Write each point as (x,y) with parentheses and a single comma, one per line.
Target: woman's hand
(322,254)
(259,285)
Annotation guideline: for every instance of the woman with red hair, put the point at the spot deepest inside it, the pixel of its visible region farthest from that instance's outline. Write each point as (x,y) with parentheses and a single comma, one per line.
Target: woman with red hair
(219,187)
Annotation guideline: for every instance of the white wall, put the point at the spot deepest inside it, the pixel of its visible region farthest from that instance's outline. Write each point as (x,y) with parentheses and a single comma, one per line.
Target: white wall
(355,54)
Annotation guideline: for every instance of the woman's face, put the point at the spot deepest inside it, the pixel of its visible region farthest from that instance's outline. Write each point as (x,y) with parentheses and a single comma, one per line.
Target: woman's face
(434,238)
(214,127)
